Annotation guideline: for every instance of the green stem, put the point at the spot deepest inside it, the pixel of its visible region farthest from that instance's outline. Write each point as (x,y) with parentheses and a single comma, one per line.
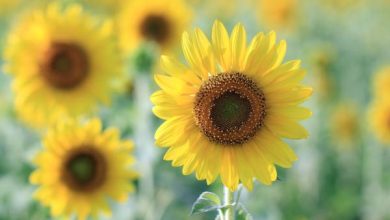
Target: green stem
(144,140)
(238,196)
(220,214)
(228,201)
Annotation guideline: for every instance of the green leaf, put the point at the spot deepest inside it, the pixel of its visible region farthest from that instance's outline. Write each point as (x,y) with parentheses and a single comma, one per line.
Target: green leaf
(206,202)
(242,213)
(225,207)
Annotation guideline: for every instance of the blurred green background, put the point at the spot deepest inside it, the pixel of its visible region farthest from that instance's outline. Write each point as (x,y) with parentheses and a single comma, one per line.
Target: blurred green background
(342,171)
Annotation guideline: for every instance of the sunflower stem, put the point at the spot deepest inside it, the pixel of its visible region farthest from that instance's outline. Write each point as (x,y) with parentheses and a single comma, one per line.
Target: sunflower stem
(144,139)
(228,202)
(372,174)
(238,196)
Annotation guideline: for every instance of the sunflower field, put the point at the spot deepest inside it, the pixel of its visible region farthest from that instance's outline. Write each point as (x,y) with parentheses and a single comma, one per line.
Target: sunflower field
(195,109)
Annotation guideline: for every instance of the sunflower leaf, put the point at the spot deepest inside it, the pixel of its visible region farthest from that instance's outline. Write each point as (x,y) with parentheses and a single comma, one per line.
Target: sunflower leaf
(206,202)
(242,213)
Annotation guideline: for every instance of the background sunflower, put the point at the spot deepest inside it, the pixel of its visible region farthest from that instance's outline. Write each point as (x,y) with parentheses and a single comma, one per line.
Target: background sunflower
(90,166)
(159,21)
(58,58)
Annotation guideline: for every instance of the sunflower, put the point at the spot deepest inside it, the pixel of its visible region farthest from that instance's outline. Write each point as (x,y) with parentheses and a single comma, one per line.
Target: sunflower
(382,82)
(158,21)
(80,166)
(379,115)
(63,62)
(280,14)
(228,110)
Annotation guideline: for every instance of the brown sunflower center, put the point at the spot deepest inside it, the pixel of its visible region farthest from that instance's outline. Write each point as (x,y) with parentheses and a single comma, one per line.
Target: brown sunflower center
(65,65)
(229,108)
(156,28)
(84,169)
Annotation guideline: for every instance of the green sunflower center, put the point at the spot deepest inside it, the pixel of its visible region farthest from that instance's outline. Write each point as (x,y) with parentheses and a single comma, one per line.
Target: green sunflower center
(229,108)
(156,28)
(65,65)
(84,169)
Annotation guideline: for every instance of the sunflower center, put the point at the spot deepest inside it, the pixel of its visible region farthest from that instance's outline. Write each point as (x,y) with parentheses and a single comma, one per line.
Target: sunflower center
(84,169)
(229,108)
(65,65)
(156,28)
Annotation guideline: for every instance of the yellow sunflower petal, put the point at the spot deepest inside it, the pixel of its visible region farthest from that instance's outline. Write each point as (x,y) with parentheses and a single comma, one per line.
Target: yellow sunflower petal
(292,112)
(229,175)
(205,50)
(164,133)
(221,45)
(275,149)
(172,85)
(286,128)
(238,42)
(176,69)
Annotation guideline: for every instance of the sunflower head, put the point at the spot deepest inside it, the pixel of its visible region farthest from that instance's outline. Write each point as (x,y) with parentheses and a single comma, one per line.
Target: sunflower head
(228,109)
(80,166)
(157,21)
(63,63)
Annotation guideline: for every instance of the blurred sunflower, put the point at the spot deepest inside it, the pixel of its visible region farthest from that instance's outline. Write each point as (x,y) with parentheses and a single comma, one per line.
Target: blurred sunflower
(158,21)
(382,82)
(80,167)
(345,123)
(227,112)
(63,64)
(278,14)
(379,115)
